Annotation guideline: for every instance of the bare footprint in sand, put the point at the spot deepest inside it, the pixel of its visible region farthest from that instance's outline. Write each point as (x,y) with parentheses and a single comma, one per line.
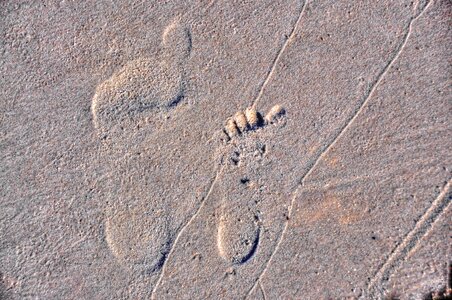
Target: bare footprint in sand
(233,232)
(145,89)
(239,224)
(128,107)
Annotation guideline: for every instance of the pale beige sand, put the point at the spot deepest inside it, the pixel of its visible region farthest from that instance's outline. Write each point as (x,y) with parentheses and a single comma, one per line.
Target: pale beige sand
(225,150)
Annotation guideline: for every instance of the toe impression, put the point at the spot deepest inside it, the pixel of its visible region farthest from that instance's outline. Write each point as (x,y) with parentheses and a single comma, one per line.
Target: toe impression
(274,114)
(250,119)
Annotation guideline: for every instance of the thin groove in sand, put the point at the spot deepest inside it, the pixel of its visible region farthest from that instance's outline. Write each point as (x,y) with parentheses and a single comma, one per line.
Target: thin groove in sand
(411,240)
(341,131)
(262,290)
(278,57)
(203,201)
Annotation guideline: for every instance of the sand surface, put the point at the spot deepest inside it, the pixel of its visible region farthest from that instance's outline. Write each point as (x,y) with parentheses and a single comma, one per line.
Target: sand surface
(225,149)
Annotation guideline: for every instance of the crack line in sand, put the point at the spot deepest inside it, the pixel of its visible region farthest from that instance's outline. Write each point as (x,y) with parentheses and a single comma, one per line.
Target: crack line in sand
(411,240)
(262,290)
(278,57)
(369,94)
(339,134)
(201,205)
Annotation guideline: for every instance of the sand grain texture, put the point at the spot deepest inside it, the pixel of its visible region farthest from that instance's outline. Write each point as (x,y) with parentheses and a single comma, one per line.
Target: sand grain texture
(225,150)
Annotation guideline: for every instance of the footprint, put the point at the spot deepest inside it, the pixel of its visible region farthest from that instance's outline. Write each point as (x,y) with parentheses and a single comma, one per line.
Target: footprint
(127,109)
(239,224)
(144,88)
(234,228)
(141,250)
